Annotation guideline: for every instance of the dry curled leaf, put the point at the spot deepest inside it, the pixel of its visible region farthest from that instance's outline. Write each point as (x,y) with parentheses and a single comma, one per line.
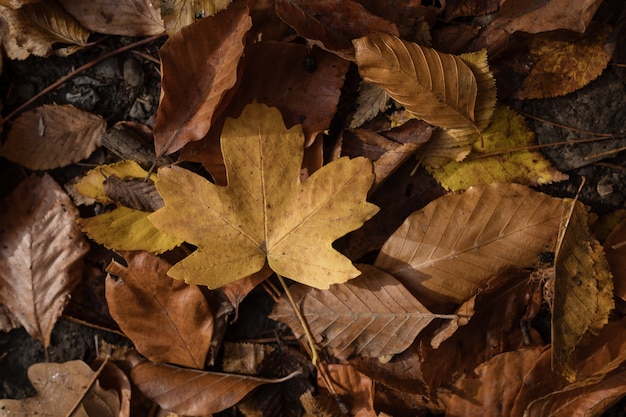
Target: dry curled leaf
(64,388)
(115,17)
(36,28)
(190,391)
(372,315)
(53,136)
(167,320)
(583,290)
(447,251)
(436,87)
(41,254)
(199,65)
(265,214)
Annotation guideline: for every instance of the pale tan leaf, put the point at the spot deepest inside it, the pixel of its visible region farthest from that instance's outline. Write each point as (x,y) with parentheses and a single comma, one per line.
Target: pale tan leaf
(35,28)
(180,13)
(583,290)
(447,251)
(190,391)
(60,386)
(115,17)
(245,358)
(372,100)
(53,136)
(167,320)
(438,88)
(41,253)
(208,53)
(371,315)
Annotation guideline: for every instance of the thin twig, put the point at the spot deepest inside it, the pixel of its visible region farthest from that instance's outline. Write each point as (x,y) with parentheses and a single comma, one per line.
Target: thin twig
(77,71)
(88,387)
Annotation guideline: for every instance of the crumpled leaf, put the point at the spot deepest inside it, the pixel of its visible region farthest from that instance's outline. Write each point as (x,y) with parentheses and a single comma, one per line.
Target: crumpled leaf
(60,386)
(53,136)
(372,315)
(332,24)
(265,214)
(180,13)
(206,52)
(167,320)
(447,251)
(508,134)
(41,253)
(35,28)
(583,290)
(190,391)
(565,63)
(115,17)
(123,228)
(435,87)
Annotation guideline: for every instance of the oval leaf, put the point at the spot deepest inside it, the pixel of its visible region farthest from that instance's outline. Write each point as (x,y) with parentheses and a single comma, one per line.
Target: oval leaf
(53,136)
(166,319)
(438,88)
(372,315)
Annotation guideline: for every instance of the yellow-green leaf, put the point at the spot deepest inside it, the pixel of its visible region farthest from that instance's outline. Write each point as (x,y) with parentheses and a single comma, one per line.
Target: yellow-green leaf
(507,131)
(265,213)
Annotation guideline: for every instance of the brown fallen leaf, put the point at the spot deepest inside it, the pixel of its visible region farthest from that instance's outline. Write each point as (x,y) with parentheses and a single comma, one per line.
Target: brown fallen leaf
(206,52)
(53,136)
(63,389)
(565,63)
(41,255)
(436,87)
(353,385)
(447,251)
(190,391)
(332,24)
(583,290)
(372,315)
(265,214)
(167,320)
(36,28)
(135,193)
(236,291)
(114,17)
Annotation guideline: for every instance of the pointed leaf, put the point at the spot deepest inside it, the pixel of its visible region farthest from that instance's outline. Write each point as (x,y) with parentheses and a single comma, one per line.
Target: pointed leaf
(189,391)
(265,212)
(436,87)
(167,320)
(41,254)
(583,290)
(372,315)
(208,53)
(447,251)
(53,136)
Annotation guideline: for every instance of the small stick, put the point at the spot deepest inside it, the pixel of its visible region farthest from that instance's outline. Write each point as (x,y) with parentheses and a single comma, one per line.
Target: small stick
(88,387)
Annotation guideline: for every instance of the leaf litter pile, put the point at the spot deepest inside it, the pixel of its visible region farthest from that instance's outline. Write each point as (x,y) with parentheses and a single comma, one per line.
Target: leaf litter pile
(364,171)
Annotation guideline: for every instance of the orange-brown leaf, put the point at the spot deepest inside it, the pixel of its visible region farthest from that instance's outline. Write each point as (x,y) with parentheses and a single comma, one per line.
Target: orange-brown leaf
(41,253)
(53,136)
(199,65)
(350,383)
(167,320)
(438,88)
(190,391)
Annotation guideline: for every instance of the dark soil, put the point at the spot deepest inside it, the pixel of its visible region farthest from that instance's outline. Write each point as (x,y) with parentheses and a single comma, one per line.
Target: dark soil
(127,86)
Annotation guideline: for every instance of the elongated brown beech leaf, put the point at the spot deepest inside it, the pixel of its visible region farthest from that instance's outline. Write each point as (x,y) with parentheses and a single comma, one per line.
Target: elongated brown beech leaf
(167,320)
(53,136)
(40,255)
(371,315)
(189,391)
(583,290)
(447,251)
(199,64)
(438,88)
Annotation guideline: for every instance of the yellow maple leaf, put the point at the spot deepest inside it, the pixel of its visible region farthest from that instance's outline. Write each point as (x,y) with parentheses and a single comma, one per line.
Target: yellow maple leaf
(265,214)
